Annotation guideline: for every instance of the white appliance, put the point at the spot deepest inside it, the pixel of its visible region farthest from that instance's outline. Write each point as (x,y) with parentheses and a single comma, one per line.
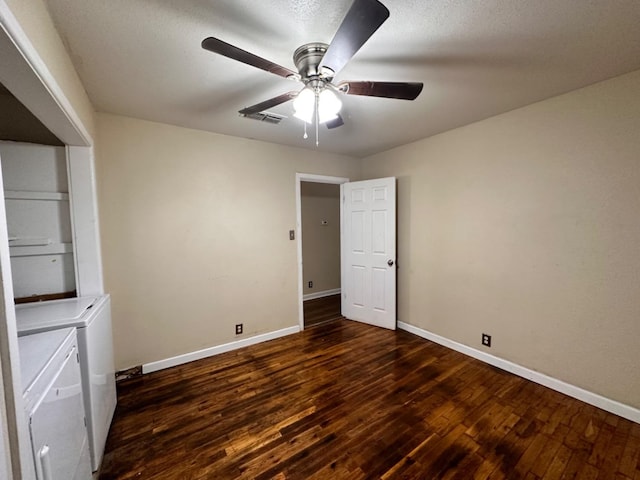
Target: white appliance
(92,318)
(52,393)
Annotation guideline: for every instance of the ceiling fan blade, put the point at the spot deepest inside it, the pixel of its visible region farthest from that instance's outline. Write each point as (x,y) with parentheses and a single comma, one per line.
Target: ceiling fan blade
(400,90)
(335,123)
(362,20)
(272,102)
(226,49)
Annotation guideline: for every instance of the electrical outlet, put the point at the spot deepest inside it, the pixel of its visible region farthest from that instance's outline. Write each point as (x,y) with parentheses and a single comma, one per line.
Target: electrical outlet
(310,284)
(486,340)
(238,329)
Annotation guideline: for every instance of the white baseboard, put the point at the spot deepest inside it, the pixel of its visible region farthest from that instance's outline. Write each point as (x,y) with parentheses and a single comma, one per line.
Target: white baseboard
(209,352)
(613,406)
(325,293)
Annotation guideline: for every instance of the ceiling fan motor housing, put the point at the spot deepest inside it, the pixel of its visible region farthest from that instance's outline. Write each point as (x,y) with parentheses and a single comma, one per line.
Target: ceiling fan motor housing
(307,59)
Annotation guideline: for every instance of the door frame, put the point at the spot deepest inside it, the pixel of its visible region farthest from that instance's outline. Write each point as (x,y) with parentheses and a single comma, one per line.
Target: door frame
(313,178)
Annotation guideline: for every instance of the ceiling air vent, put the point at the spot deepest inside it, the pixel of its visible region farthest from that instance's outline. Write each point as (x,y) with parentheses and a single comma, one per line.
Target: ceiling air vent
(265,117)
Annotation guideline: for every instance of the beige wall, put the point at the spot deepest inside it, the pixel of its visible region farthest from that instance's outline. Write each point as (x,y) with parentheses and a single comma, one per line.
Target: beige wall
(36,22)
(320,243)
(195,234)
(526,226)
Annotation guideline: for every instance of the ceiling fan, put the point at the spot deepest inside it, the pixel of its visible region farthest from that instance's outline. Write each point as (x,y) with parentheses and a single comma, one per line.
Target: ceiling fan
(318,64)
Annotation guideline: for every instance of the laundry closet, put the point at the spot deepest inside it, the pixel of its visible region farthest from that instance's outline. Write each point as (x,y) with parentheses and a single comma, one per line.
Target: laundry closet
(63,316)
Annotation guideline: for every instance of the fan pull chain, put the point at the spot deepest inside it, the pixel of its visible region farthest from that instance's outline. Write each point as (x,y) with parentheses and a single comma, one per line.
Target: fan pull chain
(317,116)
(305,136)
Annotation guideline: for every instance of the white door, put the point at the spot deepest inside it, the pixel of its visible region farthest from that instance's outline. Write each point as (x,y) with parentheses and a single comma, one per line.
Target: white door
(368,250)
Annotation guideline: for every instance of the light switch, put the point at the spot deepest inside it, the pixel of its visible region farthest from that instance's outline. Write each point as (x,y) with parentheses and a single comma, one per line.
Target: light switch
(292,234)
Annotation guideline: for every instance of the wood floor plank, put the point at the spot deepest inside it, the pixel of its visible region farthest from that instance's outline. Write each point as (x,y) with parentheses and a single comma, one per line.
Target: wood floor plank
(343,400)
(630,459)
(577,461)
(558,464)
(321,310)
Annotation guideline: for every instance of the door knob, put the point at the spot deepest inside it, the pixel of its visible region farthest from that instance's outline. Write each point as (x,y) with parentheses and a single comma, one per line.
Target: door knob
(390,263)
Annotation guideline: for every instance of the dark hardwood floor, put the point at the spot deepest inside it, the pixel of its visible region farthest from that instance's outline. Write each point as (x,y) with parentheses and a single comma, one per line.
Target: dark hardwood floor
(321,310)
(350,401)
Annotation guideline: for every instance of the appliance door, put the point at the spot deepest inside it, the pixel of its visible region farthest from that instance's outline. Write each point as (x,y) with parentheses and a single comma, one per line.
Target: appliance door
(56,423)
(96,356)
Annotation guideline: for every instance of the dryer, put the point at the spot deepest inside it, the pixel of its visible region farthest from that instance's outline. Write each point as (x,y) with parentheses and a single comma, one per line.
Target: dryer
(91,316)
(52,393)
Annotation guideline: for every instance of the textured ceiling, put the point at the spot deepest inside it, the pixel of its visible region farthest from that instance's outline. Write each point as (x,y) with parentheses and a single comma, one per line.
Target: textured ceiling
(476,58)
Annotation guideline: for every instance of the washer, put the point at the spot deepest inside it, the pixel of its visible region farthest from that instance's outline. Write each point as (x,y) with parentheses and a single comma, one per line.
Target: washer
(91,316)
(52,394)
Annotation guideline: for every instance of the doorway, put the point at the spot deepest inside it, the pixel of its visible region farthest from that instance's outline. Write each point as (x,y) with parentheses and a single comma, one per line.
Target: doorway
(318,234)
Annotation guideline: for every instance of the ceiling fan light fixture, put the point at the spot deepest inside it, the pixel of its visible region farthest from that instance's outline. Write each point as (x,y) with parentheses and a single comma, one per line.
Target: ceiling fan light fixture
(329,106)
(304,105)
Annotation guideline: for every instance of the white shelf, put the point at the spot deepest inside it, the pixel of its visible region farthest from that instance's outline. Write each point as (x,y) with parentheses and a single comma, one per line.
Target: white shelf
(33,250)
(29,241)
(29,195)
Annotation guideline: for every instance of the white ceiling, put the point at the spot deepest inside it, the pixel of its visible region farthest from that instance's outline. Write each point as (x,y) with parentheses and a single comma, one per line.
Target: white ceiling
(477,58)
